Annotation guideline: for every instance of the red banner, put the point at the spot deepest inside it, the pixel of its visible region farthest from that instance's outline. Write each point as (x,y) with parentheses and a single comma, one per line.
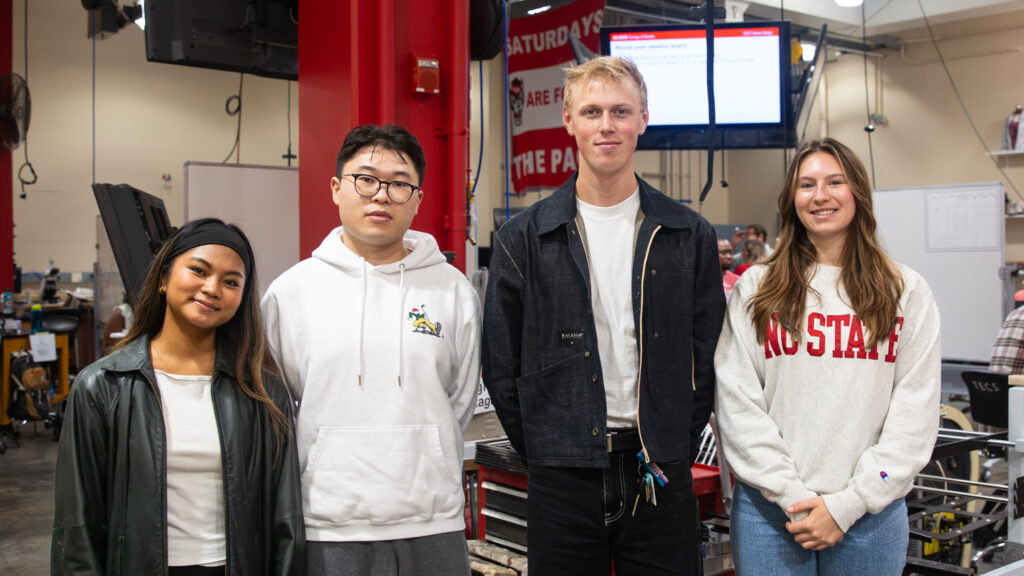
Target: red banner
(543,153)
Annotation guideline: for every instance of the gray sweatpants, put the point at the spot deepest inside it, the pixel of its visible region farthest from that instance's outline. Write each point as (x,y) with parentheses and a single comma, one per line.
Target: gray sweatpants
(436,555)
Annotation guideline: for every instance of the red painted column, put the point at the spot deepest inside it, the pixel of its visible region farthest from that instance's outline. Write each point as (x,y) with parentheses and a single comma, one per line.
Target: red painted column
(354,68)
(458,138)
(6,159)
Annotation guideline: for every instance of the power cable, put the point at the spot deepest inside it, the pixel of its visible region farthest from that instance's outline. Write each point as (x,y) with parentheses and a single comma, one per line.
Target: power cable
(869,127)
(21,169)
(963,107)
(788,95)
(237,111)
(289,156)
(709,31)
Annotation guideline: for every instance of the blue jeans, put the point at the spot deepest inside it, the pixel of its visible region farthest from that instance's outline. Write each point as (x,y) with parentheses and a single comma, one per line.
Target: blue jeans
(876,544)
(581,520)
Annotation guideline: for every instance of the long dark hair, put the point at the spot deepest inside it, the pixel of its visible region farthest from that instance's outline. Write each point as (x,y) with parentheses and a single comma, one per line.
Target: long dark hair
(242,335)
(872,282)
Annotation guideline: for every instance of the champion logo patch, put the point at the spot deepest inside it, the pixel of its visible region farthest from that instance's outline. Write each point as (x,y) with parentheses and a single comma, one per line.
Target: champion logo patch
(883,476)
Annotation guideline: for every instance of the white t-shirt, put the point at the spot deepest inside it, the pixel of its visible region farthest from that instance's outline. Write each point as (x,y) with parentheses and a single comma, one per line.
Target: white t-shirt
(195,487)
(609,232)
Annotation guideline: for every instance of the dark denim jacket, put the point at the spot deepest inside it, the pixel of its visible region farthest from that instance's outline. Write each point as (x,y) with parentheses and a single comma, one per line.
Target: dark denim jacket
(540,354)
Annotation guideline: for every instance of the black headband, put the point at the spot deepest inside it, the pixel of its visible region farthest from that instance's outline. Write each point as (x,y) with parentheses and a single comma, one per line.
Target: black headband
(215,233)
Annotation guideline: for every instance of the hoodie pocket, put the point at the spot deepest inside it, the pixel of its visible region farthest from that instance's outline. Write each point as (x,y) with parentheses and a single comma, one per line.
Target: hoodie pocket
(380,476)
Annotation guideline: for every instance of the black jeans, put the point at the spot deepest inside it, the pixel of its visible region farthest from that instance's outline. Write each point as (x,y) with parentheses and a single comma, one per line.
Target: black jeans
(580,521)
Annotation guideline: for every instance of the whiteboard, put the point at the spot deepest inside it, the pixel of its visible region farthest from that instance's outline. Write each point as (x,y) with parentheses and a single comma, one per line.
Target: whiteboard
(262,200)
(954,236)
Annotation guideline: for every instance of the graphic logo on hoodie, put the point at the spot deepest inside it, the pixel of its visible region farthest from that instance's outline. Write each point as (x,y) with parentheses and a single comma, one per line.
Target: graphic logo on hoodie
(421,323)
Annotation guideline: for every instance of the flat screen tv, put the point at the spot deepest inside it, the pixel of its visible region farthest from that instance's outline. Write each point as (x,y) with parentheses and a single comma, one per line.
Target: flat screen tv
(753,90)
(252,36)
(136,224)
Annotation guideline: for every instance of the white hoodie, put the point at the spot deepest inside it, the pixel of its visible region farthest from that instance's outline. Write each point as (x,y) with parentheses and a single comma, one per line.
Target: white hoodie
(384,362)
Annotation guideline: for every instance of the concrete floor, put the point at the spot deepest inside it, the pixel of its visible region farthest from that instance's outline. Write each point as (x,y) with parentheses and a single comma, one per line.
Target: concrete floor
(26,503)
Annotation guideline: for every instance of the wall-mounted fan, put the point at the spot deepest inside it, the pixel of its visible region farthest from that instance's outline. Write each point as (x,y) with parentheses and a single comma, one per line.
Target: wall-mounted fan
(15,111)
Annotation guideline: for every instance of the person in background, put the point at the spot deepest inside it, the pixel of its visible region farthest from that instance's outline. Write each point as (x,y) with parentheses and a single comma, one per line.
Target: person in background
(753,252)
(737,245)
(757,232)
(1008,351)
(177,455)
(827,339)
(116,326)
(378,338)
(725,259)
(604,303)
(753,232)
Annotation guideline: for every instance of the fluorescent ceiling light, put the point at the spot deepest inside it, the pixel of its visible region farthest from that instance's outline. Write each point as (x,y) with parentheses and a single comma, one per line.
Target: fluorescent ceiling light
(141,22)
(808,51)
(535,11)
(849,3)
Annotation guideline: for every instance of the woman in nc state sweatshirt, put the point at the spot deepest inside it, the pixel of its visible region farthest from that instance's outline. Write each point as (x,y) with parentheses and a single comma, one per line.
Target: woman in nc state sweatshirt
(828,371)
(384,362)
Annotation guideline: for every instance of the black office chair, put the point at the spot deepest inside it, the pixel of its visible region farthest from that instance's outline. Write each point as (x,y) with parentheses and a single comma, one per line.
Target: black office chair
(990,397)
(61,320)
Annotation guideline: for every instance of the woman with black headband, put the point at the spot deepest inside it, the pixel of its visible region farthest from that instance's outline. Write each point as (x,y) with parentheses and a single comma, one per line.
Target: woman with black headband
(177,456)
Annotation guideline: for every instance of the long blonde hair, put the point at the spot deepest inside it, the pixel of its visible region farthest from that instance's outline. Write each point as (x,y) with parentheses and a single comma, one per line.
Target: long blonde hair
(873,283)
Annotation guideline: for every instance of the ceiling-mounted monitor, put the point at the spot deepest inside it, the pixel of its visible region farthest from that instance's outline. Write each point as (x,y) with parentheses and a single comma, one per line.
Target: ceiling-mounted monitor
(753,89)
(252,36)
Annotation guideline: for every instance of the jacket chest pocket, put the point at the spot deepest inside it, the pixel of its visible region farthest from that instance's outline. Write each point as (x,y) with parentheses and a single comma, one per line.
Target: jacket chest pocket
(668,330)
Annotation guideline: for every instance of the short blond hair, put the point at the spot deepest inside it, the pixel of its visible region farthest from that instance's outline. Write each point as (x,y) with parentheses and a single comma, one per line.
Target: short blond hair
(603,68)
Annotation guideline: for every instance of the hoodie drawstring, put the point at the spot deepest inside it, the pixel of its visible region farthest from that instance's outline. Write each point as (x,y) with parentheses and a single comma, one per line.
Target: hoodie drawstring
(362,329)
(401,310)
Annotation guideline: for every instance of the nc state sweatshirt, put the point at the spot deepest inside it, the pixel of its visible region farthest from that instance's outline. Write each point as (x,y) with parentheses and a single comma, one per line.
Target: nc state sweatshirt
(822,414)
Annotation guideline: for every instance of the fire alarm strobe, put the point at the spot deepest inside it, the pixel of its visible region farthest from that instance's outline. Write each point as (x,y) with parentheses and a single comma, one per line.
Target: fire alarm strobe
(426,74)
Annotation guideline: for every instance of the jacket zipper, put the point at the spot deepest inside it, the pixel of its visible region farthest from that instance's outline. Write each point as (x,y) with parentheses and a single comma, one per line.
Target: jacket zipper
(125,425)
(640,362)
(163,456)
(224,483)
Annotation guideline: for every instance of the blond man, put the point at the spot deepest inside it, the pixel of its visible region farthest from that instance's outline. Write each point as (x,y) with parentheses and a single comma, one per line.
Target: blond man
(604,305)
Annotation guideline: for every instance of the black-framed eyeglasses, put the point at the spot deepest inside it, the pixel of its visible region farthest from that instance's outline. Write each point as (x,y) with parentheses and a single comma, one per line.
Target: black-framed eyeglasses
(368,186)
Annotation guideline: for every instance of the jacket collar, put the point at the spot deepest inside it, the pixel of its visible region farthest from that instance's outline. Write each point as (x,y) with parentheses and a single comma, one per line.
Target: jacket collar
(657,208)
(134,357)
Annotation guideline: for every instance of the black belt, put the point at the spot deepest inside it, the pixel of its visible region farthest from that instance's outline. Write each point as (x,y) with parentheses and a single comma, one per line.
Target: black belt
(623,439)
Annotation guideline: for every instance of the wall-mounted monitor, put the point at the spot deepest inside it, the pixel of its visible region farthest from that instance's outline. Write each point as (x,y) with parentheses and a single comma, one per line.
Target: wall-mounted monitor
(254,37)
(136,225)
(753,99)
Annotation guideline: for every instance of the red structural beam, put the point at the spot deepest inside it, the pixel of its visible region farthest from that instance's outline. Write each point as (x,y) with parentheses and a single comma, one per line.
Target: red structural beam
(355,68)
(6,160)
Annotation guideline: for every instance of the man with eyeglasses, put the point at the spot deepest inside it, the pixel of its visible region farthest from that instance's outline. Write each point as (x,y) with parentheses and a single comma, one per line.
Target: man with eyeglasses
(377,338)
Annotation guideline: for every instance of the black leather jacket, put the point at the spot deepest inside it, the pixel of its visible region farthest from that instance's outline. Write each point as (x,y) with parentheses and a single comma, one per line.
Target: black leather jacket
(541,361)
(111,483)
